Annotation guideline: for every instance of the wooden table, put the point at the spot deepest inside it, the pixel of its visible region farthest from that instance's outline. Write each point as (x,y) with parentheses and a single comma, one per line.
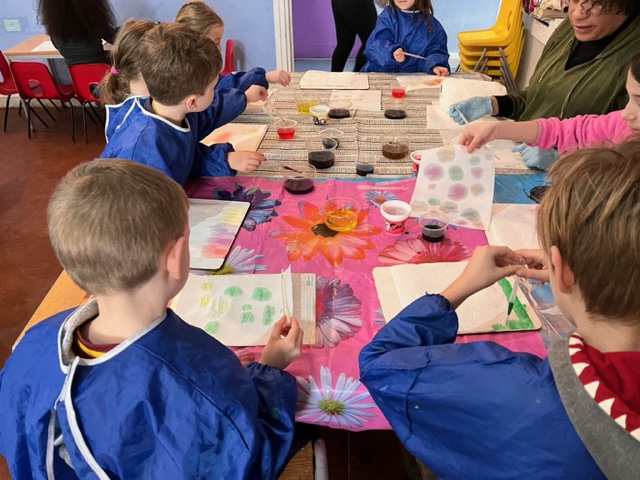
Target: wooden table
(24,50)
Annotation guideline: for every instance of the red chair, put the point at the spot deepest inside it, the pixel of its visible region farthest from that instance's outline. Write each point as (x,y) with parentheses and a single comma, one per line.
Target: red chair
(85,78)
(7,86)
(34,80)
(228,58)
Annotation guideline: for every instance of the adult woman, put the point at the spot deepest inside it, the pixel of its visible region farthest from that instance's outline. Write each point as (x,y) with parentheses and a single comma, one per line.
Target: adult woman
(581,71)
(352,17)
(77,28)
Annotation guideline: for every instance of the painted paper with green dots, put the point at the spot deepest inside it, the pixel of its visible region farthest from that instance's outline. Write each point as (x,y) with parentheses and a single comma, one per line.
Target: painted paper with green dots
(238,310)
(456,183)
(484,312)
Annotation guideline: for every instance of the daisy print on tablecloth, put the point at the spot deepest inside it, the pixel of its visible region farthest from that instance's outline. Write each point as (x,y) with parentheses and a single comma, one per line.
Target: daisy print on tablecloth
(344,405)
(338,312)
(261,208)
(311,236)
(418,250)
(378,197)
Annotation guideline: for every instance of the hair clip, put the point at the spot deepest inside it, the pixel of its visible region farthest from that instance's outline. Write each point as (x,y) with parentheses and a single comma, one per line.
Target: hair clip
(113,70)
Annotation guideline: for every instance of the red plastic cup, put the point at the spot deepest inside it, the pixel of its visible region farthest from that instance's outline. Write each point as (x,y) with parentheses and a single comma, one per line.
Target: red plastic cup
(286,128)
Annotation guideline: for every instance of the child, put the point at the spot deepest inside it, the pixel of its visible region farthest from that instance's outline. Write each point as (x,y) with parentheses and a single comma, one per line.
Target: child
(571,133)
(180,69)
(121,387)
(407,26)
(124,79)
(478,410)
(201,17)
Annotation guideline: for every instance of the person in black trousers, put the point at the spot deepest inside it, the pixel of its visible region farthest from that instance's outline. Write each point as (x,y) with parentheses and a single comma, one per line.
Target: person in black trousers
(352,17)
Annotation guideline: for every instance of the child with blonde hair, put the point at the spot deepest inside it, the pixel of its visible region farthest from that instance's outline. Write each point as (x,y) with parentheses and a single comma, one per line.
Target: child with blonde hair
(479,410)
(407,26)
(121,387)
(180,68)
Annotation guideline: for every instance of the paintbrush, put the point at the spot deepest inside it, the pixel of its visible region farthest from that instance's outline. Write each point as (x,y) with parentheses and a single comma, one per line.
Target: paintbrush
(291,169)
(414,55)
(464,119)
(287,314)
(514,291)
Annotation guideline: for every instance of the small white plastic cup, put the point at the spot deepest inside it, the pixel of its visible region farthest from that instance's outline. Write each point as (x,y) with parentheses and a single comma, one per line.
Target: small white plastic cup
(395,214)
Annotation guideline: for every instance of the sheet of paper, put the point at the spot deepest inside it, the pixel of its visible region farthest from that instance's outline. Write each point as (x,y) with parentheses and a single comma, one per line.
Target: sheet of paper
(513,225)
(214,225)
(416,82)
(458,89)
(486,311)
(243,136)
(369,100)
(316,79)
(239,310)
(44,47)
(456,183)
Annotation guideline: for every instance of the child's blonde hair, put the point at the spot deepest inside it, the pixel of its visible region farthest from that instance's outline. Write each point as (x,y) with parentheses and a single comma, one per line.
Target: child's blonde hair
(124,58)
(591,213)
(110,221)
(199,16)
(176,61)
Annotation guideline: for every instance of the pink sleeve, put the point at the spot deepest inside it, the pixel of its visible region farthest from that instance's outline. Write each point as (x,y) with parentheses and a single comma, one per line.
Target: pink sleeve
(581,131)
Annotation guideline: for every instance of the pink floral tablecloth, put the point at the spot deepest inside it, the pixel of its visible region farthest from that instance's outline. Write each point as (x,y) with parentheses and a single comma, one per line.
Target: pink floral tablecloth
(282,229)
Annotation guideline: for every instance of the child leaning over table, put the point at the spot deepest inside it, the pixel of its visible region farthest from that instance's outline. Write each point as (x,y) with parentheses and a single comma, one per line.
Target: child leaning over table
(407,26)
(121,387)
(180,69)
(479,410)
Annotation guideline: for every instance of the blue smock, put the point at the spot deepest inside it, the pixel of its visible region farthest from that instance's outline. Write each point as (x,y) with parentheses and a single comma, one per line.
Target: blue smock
(169,402)
(231,87)
(135,133)
(470,410)
(409,31)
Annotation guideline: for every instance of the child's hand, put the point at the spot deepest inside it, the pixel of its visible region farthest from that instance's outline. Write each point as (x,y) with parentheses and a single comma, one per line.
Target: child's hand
(399,55)
(279,76)
(256,93)
(284,344)
(487,265)
(441,71)
(476,135)
(538,264)
(245,161)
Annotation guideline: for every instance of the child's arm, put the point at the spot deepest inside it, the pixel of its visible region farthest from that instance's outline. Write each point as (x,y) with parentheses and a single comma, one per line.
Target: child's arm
(212,161)
(476,135)
(381,45)
(226,106)
(436,53)
(243,80)
(245,161)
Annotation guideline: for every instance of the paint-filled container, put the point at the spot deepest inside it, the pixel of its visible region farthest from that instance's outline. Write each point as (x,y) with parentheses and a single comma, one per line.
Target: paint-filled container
(341,213)
(433,225)
(366,163)
(298,179)
(395,147)
(320,154)
(395,214)
(339,109)
(319,114)
(286,128)
(395,108)
(331,137)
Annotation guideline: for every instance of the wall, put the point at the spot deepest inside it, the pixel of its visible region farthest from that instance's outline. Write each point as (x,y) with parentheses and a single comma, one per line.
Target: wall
(249,23)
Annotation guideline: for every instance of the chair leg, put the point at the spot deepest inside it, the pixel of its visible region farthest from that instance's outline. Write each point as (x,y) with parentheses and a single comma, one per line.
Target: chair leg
(96,113)
(28,110)
(39,118)
(84,122)
(95,122)
(73,122)
(46,109)
(54,105)
(6,112)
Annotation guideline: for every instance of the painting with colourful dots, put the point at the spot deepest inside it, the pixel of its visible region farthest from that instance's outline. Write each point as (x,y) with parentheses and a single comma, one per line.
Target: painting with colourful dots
(240,310)
(483,312)
(214,225)
(456,183)
(243,136)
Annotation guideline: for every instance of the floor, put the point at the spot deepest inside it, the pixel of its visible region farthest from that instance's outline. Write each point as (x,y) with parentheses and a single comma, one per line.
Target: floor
(30,170)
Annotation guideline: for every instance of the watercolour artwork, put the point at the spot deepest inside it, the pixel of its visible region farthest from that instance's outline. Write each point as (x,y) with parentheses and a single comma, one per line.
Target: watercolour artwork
(243,136)
(214,225)
(416,82)
(484,312)
(456,183)
(320,80)
(238,310)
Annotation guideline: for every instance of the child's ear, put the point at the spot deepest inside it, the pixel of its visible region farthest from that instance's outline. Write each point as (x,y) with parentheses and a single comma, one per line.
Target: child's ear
(562,273)
(191,102)
(175,258)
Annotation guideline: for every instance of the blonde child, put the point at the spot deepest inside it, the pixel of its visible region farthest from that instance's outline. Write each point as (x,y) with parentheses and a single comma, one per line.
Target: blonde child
(407,26)
(568,134)
(180,69)
(199,16)
(121,387)
(478,410)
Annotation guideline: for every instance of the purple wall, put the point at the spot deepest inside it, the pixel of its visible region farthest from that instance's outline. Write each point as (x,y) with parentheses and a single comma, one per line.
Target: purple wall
(314,33)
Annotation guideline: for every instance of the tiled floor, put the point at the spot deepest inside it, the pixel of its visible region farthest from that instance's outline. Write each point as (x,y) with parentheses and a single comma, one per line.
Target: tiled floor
(30,170)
